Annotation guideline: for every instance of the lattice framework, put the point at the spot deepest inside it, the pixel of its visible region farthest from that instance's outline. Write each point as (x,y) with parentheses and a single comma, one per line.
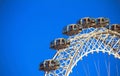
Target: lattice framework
(88,41)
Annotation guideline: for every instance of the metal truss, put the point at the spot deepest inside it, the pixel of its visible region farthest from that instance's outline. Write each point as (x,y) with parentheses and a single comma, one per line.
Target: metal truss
(87,42)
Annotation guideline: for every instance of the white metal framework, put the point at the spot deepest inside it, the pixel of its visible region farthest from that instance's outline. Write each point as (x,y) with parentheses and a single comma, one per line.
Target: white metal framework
(88,41)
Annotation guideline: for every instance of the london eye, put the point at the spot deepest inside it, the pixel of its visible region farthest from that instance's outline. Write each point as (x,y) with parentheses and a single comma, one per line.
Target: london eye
(86,36)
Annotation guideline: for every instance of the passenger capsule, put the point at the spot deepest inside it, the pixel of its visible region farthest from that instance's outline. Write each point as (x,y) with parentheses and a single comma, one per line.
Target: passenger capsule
(49,65)
(72,29)
(102,22)
(116,27)
(59,43)
(88,22)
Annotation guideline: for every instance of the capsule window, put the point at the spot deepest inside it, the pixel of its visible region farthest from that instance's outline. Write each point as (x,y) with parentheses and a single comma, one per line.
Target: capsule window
(88,19)
(63,41)
(75,26)
(117,26)
(57,42)
(102,19)
(52,62)
(71,28)
(52,43)
(98,20)
(112,27)
(84,20)
(47,63)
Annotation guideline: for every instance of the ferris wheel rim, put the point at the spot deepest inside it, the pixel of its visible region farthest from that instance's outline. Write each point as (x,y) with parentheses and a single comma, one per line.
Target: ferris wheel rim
(91,35)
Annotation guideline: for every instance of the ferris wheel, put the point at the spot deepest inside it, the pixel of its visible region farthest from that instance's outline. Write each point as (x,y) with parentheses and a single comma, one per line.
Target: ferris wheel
(87,36)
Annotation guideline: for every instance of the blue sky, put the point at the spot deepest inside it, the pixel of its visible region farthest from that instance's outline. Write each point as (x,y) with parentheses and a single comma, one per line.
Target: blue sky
(28,26)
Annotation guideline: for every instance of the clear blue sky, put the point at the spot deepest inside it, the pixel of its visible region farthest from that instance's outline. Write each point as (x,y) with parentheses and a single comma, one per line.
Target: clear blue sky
(28,26)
